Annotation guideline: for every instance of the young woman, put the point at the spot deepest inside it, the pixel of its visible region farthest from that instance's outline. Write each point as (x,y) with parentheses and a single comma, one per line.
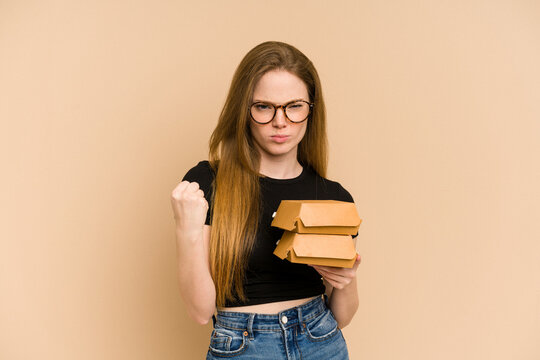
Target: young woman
(269,145)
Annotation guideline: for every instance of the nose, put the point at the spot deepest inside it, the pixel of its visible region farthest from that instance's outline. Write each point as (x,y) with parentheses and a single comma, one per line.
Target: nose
(280,119)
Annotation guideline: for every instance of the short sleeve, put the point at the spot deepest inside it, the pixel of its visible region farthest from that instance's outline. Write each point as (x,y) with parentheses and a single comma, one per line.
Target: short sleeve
(344,195)
(203,175)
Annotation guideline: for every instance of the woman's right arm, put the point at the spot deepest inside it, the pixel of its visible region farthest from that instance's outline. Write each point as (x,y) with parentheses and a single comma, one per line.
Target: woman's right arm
(192,242)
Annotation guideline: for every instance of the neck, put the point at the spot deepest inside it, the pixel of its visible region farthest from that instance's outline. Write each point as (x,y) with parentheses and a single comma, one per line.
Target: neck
(280,168)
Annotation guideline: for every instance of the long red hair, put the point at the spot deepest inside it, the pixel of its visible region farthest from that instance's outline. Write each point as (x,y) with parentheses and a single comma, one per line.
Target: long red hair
(234,158)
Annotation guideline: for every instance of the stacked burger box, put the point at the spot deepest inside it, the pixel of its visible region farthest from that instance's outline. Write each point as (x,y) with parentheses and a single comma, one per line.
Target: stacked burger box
(317,232)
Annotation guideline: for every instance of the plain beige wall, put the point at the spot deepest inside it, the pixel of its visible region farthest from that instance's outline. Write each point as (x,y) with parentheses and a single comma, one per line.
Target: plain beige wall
(434,128)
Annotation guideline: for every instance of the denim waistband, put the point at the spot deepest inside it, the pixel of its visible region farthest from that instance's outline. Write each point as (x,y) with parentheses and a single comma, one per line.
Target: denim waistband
(272,322)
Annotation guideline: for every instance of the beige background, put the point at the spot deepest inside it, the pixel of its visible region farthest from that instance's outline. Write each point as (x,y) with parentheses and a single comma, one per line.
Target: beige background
(434,127)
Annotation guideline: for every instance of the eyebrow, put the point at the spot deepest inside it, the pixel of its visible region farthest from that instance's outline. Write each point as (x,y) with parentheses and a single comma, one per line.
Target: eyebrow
(269,102)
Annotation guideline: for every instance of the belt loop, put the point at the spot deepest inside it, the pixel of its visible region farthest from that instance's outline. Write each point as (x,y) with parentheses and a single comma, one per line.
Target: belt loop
(250,325)
(300,320)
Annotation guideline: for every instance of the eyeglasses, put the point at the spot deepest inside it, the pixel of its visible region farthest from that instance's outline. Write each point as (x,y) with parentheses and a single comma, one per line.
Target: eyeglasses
(296,111)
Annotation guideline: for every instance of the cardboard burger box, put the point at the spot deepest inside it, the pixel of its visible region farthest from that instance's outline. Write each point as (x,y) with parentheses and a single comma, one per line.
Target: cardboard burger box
(317,232)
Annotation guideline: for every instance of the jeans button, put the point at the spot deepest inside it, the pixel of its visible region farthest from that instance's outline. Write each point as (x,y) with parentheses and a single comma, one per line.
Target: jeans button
(284,319)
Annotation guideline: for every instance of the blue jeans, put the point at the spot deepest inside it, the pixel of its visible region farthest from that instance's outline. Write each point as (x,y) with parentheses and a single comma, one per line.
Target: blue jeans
(308,331)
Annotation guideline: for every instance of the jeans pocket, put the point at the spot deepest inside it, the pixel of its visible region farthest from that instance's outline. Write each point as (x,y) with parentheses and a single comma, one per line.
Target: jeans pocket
(227,342)
(322,327)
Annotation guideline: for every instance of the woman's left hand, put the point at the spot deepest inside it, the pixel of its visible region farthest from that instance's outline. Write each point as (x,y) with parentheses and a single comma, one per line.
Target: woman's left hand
(338,277)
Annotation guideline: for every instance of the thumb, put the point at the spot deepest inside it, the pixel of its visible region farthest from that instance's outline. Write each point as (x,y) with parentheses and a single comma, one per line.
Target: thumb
(357,262)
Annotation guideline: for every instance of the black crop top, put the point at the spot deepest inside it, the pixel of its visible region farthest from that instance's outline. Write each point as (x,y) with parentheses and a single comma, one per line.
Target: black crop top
(268,278)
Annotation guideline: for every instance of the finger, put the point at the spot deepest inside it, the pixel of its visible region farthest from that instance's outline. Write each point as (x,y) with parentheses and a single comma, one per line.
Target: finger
(180,187)
(324,267)
(334,284)
(357,262)
(332,275)
(317,270)
(204,202)
(192,187)
(336,281)
(335,270)
(200,193)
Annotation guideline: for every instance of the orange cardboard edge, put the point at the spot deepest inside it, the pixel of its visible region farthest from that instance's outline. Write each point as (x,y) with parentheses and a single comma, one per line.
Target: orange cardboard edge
(285,250)
(337,230)
(287,217)
(345,263)
(284,246)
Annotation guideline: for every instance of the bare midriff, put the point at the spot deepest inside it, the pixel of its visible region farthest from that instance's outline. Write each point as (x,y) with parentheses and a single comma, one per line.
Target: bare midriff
(269,308)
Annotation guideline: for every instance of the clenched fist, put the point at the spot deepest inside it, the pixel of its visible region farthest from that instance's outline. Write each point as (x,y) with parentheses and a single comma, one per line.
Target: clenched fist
(189,206)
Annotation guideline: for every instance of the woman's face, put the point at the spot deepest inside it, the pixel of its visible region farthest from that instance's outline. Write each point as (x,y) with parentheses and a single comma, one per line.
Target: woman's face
(279,138)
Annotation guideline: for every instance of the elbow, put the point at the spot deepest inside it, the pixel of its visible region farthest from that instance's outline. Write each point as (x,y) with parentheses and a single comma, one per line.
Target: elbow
(201,318)
(342,324)
(199,308)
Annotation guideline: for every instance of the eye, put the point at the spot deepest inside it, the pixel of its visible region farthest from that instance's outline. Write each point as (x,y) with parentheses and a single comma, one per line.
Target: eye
(296,105)
(262,106)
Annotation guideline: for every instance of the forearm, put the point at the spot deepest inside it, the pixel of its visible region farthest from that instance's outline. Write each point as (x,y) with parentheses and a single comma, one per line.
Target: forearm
(196,285)
(344,303)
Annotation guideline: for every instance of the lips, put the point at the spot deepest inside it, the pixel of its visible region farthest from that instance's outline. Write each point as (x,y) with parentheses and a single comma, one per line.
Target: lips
(279,138)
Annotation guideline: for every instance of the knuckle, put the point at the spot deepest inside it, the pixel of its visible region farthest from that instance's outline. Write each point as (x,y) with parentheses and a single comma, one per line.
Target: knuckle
(181,187)
(183,184)
(177,195)
(194,186)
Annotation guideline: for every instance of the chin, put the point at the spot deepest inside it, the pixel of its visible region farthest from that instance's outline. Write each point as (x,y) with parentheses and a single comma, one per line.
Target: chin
(277,152)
